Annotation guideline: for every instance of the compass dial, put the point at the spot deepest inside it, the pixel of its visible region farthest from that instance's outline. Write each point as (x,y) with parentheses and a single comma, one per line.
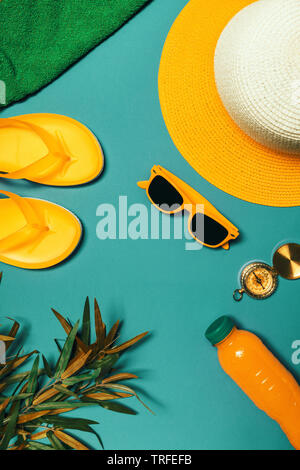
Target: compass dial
(259,280)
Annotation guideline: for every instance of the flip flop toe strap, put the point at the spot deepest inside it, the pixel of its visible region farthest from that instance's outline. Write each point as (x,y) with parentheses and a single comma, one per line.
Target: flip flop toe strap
(40,169)
(33,229)
(22,237)
(46,166)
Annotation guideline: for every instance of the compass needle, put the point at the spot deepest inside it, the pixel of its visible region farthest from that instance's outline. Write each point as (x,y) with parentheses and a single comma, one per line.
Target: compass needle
(258,280)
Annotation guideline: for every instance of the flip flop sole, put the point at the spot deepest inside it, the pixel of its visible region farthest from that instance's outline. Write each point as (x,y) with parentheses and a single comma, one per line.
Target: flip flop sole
(50,248)
(22,147)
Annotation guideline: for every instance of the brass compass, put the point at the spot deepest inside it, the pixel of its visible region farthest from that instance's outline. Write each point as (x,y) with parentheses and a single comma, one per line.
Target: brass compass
(260,281)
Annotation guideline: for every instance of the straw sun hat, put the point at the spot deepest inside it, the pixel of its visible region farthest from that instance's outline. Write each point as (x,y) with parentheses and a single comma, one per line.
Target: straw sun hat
(229,87)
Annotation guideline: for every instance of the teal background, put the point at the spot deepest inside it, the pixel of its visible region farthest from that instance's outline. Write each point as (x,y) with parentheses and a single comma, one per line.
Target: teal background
(154,285)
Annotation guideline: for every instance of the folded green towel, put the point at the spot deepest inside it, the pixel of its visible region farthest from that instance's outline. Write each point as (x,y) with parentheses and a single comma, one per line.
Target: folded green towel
(39,39)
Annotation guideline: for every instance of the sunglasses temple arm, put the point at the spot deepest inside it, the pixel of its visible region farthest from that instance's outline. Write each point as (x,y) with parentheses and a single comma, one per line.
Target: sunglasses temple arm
(226,246)
(143,184)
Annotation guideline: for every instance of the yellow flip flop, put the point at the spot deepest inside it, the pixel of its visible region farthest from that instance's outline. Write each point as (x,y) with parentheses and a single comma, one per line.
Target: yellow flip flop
(49,149)
(36,234)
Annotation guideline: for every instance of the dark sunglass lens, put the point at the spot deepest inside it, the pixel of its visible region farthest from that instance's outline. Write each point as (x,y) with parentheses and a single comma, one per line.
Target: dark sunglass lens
(207,230)
(164,194)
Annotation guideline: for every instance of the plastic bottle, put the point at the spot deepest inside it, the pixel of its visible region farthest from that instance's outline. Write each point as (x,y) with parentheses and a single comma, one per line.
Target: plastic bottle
(259,374)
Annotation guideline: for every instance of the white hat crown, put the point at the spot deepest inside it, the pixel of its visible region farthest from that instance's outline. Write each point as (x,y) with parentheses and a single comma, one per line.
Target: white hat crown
(257,72)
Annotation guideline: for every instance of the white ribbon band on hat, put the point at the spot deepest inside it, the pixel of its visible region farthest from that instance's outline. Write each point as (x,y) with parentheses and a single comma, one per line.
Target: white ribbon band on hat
(257,72)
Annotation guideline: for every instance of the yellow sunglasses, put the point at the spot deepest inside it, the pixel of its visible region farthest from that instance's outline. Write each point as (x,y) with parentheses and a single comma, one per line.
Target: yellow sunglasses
(170,195)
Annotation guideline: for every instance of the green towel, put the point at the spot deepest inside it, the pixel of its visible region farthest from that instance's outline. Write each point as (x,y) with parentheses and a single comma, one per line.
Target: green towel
(40,39)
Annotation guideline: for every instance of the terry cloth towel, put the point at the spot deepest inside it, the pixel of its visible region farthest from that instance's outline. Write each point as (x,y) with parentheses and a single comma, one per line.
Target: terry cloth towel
(40,39)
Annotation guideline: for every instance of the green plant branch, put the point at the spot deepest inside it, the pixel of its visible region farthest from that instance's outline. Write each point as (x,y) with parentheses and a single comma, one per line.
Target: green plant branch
(80,378)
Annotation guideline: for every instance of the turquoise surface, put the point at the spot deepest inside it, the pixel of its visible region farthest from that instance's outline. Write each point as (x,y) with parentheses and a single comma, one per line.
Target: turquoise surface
(154,285)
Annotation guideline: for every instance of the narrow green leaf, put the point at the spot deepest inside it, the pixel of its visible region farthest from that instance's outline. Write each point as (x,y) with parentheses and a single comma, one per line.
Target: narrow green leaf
(53,405)
(18,377)
(21,396)
(80,424)
(2,415)
(99,327)
(47,367)
(9,366)
(56,444)
(70,440)
(98,437)
(66,391)
(125,388)
(18,387)
(66,351)
(106,363)
(67,327)
(68,423)
(86,323)
(82,378)
(58,397)
(112,333)
(13,332)
(34,445)
(127,344)
(58,345)
(117,407)
(10,430)
(32,380)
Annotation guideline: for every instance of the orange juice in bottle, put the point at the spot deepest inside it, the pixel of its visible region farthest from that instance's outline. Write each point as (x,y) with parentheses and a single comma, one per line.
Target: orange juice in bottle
(259,374)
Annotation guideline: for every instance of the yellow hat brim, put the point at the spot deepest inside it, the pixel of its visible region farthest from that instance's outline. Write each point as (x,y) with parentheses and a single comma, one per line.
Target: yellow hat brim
(200,126)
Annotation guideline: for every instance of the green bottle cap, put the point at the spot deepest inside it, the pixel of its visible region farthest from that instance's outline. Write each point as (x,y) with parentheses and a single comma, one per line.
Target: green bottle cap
(219,329)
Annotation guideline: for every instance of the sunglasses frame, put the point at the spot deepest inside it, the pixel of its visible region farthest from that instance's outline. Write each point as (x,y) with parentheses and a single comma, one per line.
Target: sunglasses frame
(191,198)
